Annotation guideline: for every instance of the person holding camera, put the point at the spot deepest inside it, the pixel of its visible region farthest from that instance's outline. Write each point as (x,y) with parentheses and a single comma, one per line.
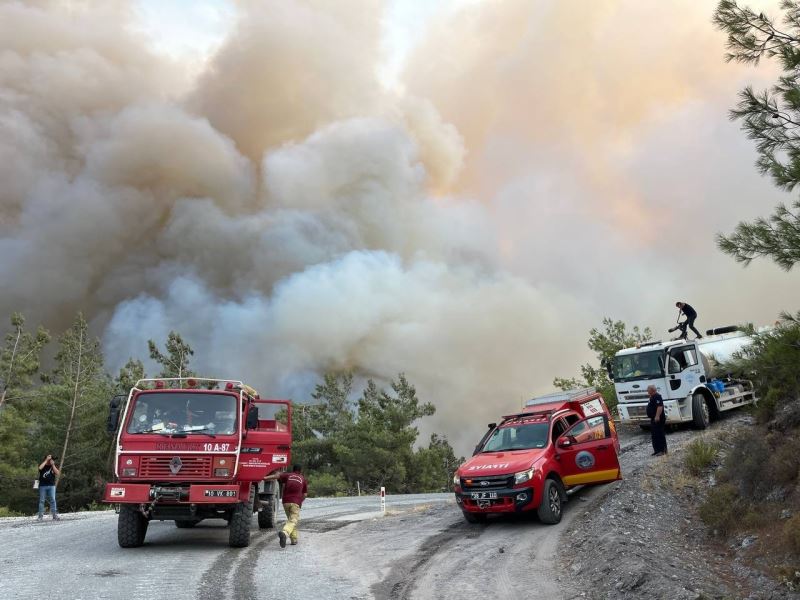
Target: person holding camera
(47,486)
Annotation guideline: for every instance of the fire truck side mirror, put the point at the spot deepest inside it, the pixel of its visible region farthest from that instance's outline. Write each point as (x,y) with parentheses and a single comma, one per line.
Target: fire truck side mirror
(113,413)
(252,417)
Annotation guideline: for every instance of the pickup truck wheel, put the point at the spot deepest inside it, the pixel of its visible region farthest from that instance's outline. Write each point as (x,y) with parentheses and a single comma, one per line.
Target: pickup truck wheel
(550,509)
(239,532)
(187,524)
(131,527)
(268,512)
(470,517)
(700,416)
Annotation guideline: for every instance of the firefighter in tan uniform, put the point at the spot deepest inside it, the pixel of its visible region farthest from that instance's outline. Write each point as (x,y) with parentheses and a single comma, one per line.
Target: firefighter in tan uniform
(295,489)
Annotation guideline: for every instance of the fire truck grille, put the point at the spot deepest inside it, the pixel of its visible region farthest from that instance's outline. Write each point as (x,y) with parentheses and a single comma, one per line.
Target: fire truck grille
(487,483)
(632,397)
(160,467)
(637,411)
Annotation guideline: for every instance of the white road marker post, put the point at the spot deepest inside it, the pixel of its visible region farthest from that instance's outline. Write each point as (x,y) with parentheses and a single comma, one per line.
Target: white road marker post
(383,500)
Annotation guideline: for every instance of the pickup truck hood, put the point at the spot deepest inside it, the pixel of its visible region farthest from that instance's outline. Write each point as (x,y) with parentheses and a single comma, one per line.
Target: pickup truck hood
(499,463)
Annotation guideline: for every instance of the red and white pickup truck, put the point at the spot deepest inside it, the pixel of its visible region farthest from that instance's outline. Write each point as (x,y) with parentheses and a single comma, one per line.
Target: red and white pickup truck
(530,460)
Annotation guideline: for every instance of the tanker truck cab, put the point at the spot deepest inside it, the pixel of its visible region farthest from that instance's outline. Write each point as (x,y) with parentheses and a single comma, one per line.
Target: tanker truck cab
(532,459)
(682,371)
(190,449)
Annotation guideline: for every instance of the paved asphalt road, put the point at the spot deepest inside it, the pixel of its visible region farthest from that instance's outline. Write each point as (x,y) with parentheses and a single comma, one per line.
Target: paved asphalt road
(78,557)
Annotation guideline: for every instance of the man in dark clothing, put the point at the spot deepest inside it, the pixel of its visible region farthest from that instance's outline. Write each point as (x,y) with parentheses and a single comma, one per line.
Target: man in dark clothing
(690,314)
(295,489)
(655,410)
(47,486)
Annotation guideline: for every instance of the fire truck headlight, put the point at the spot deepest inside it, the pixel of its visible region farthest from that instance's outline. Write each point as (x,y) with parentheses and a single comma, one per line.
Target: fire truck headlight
(129,472)
(221,472)
(524,476)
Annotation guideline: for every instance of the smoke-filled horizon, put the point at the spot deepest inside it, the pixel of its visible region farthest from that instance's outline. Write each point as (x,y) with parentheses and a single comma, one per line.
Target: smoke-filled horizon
(543,165)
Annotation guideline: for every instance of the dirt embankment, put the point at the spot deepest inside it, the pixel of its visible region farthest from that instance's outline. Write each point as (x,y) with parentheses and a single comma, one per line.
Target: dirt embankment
(643,537)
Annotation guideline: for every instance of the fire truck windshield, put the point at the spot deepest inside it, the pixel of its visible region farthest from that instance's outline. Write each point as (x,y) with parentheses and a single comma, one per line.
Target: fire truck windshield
(184,412)
(642,365)
(518,437)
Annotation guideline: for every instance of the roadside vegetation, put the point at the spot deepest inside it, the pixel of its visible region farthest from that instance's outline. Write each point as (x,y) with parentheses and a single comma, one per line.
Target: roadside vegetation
(346,438)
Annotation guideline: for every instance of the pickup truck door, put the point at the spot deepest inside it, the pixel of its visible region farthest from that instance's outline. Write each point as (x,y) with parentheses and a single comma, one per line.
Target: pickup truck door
(587,453)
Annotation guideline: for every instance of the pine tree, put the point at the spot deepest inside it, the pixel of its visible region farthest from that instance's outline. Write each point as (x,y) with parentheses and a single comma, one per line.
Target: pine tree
(175,363)
(19,358)
(73,411)
(772,119)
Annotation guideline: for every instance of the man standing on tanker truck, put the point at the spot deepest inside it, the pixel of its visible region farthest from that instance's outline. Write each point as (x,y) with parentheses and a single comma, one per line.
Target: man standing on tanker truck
(295,490)
(690,314)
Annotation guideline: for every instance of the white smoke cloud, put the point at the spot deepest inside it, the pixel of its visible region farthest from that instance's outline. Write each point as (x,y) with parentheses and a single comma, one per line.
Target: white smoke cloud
(288,215)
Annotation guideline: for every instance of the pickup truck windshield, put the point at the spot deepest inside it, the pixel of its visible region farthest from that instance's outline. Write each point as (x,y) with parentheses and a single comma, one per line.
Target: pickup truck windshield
(642,365)
(517,437)
(184,412)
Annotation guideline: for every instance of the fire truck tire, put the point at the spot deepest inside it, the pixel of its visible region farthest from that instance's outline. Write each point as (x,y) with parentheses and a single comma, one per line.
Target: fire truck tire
(700,416)
(471,517)
(551,507)
(131,527)
(239,529)
(186,524)
(267,514)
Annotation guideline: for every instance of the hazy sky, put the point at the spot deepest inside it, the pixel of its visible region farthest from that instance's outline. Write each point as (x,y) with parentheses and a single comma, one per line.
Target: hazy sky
(456,190)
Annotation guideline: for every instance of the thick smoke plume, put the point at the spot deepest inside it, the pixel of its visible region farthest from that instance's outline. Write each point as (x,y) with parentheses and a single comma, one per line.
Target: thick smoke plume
(289,215)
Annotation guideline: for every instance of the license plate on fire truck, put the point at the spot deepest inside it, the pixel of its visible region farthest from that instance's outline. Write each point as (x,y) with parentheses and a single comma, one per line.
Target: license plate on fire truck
(220,493)
(483,495)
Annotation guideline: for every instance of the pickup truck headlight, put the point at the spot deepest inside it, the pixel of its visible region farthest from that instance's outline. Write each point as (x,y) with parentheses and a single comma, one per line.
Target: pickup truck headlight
(524,476)
(456,479)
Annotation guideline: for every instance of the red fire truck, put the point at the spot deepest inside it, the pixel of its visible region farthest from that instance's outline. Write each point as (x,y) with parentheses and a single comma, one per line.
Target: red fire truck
(531,459)
(190,449)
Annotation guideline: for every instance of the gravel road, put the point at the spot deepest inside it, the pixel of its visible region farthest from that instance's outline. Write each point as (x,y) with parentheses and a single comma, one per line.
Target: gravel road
(422,549)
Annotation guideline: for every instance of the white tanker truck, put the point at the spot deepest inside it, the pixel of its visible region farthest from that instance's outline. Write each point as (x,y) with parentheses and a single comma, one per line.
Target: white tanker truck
(682,372)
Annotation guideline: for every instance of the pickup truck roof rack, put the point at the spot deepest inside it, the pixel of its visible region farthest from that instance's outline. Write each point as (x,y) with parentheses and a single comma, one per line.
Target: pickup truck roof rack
(565,396)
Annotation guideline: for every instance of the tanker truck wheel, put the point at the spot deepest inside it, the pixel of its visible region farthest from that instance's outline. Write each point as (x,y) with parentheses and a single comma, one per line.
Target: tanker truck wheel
(699,412)
(239,532)
(131,527)
(268,512)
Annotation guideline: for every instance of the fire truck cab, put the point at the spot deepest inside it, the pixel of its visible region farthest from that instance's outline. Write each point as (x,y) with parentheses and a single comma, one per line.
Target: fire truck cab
(531,459)
(189,449)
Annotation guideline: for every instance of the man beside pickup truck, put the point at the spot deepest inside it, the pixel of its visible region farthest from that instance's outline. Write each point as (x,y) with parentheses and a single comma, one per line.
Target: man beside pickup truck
(690,314)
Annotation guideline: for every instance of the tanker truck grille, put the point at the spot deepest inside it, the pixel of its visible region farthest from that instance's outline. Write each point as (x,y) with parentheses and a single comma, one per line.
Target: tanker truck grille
(162,467)
(637,411)
(632,397)
(487,483)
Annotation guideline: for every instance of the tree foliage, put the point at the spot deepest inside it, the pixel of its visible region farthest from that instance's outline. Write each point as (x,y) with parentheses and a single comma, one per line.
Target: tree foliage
(175,361)
(605,342)
(19,357)
(772,119)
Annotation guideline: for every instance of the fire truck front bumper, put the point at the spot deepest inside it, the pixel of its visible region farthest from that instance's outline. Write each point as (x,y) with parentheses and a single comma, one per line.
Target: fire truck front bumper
(497,501)
(145,493)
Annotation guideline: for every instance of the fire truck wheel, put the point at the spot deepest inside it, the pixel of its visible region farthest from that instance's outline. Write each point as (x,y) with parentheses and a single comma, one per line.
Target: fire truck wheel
(239,532)
(699,412)
(550,509)
(187,523)
(131,527)
(268,512)
(470,517)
